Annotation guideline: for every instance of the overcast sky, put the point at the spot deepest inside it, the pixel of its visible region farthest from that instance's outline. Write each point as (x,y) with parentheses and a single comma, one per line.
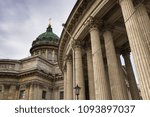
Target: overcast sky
(21,21)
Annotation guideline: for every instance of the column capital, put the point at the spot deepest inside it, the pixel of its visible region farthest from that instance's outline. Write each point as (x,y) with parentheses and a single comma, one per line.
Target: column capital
(76,44)
(27,85)
(94,23)
(68,58)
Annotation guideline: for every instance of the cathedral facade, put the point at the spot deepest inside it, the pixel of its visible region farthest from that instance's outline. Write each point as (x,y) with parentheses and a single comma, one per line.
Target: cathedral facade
(95,35)
(37,77)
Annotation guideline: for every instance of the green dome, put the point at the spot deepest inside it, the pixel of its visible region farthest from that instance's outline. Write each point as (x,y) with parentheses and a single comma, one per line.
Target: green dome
(47,37)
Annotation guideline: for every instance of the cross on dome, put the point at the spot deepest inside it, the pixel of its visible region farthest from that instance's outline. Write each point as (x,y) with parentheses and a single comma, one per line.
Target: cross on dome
(50,22)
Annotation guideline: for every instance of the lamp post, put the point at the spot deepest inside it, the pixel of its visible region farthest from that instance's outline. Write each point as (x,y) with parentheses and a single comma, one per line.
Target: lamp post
(77,91)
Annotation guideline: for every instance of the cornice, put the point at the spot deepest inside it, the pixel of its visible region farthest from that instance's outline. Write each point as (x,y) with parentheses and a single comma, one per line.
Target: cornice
(36,82)
(75,15)
(37,72)
(8,74)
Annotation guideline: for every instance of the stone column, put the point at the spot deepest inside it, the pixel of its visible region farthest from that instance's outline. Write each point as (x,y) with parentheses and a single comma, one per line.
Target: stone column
(69,84)
(31,93)
(12,92)
(48,96)
(53,55)
(79,70)
(27,91)
(102,92)
(38,91)
(90,73)
(65,83)
(17,92)
(46,54)
(6,91)
(35,91)
(144,22)
(138,46)
(131,78)
(117,82)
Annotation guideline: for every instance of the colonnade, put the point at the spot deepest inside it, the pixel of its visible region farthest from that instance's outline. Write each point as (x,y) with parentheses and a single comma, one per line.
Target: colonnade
(137,24)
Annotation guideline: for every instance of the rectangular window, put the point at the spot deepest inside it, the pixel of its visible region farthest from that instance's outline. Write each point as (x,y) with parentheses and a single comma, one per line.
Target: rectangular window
(1,88)
(61,95)
(22,94)
(44,95)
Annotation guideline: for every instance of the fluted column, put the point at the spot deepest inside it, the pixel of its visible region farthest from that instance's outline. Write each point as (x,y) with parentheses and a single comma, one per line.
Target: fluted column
(117,83)
(138,46)
(38,95)
(102,92)
(131,78)
(34,91)
(144,22)
(65,84)
(31,93)
(90,73)
(69,81)
(79,70)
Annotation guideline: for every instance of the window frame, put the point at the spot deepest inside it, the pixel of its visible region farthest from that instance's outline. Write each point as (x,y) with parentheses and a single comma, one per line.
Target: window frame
(22,94)
(1,88)
(61,95)
(44,93)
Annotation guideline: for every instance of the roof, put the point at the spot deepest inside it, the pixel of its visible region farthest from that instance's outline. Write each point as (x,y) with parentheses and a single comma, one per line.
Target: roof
(47,37)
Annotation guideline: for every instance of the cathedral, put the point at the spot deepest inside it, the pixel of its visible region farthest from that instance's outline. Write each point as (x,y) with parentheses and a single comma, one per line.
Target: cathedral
(37,77)
(85,62)
(96,34)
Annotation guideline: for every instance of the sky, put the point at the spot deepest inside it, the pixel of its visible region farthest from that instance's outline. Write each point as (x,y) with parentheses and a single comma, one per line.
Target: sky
(22,21)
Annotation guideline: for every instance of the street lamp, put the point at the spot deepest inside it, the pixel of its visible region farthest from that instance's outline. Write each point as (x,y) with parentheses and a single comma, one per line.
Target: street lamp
(77,91)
